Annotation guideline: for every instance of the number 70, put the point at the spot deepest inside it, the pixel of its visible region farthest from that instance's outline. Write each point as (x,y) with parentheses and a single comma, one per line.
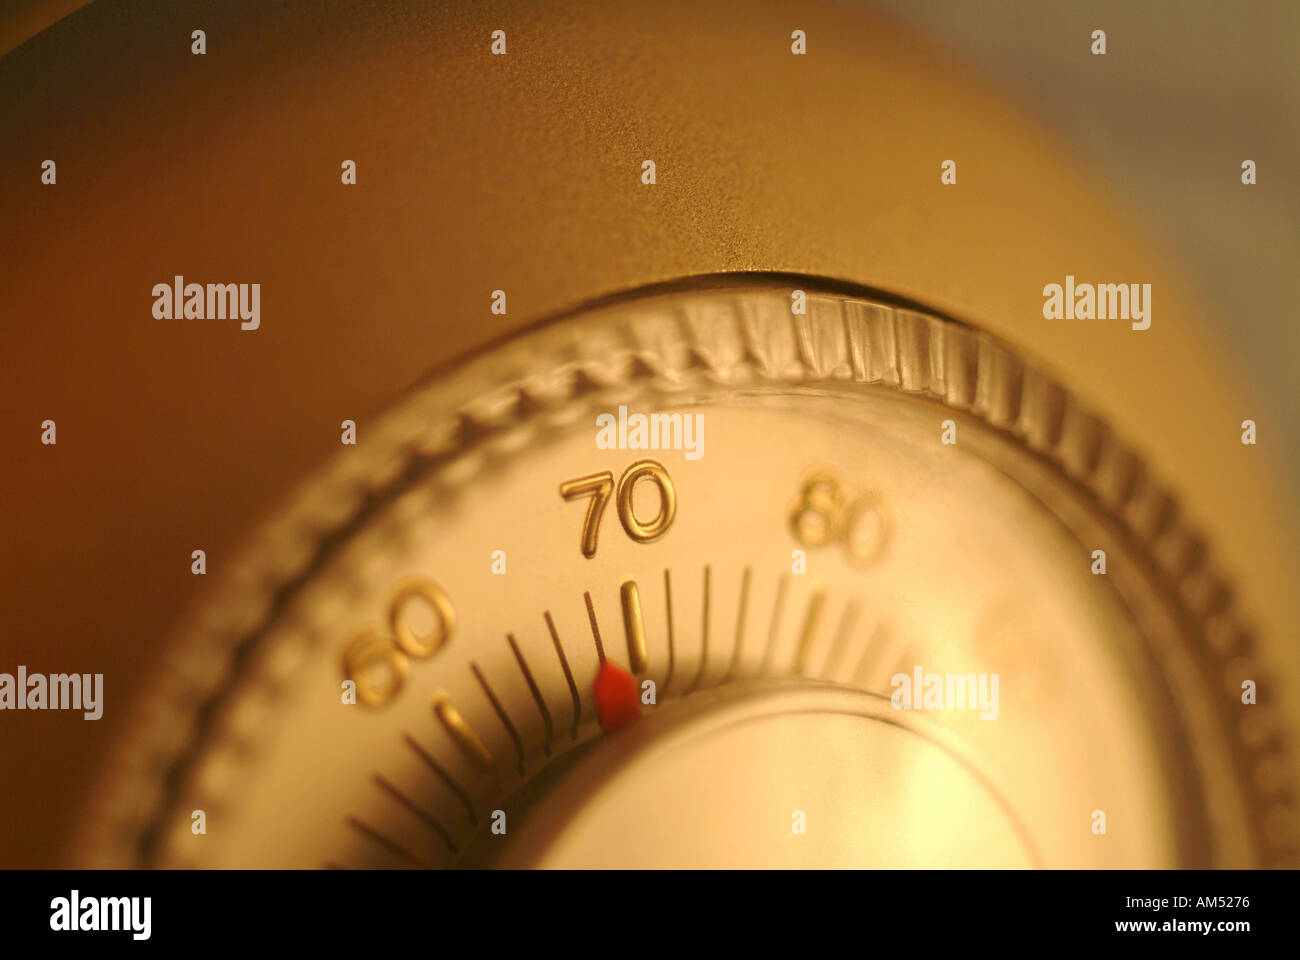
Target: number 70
(599,486)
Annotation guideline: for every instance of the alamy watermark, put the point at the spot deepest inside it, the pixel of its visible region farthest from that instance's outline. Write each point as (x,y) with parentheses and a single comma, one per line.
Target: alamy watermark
(211,301)
(920,690)
(1099,301)
(654,431)
(75,913)
(58,691)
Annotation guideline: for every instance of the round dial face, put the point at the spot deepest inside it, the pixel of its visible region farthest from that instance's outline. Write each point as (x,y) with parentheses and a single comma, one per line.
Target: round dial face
(736,572)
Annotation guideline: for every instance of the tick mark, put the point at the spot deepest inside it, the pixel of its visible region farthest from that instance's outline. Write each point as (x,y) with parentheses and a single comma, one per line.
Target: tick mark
(848,621)
(505,719)
(595,627)
(461,734)
(568,674)
(740,626)
(532,686)
(391,846)
(417,810)
(774,625)
(668,606)
(442,775)
(633,626)
(704,635)
(870,656)
(809,628)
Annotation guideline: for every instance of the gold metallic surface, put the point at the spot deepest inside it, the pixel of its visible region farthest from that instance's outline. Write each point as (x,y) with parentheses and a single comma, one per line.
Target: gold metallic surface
(1115,698)
(370,651)
(438,604)
(599,487)
(522,174)
(666,508)
(461,732)
(633,626)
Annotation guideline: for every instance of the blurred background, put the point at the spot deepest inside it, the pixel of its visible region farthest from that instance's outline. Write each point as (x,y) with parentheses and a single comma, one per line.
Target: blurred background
(1187,90)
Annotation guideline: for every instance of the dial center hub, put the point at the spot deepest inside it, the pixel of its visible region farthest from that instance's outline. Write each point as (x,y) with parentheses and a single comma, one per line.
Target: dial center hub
(816,776)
